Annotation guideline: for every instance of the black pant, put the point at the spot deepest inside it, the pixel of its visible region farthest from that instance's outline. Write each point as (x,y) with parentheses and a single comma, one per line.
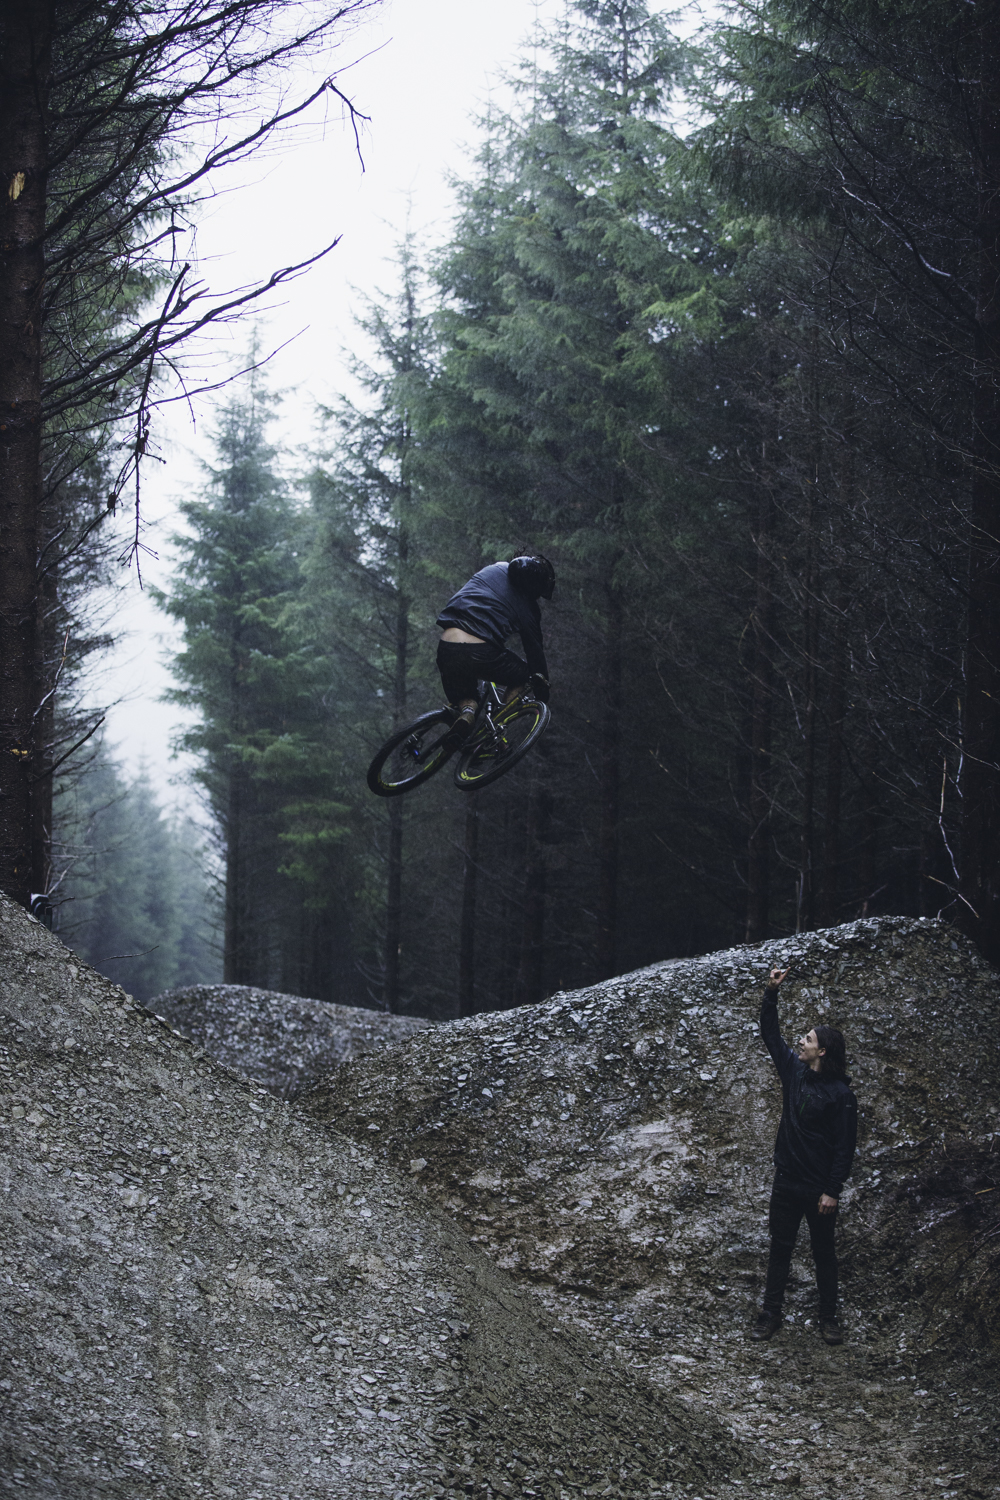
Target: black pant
(788,1207)
(463,666)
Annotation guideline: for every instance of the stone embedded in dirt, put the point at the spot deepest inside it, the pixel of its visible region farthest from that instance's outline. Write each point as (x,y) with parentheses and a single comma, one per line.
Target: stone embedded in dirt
(207,1292)
(281,1041)
(624,1138)
(620,1162)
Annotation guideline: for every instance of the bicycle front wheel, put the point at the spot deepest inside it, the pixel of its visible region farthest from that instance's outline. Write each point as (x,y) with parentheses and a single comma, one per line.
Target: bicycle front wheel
(411,755)
(496,747)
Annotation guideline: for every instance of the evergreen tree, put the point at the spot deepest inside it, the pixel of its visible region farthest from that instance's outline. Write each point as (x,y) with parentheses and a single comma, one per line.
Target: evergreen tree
(253,684)
(374,588)
(138,899)
(868,133)
(572,251)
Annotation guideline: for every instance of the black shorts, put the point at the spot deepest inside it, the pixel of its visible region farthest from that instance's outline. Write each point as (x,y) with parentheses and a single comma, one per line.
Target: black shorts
(464,665)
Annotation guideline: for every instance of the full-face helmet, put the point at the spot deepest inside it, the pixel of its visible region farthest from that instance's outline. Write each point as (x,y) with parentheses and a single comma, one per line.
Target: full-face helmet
(533,576)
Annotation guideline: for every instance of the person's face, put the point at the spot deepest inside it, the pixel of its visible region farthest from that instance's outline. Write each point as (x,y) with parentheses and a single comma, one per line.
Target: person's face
(810,1050)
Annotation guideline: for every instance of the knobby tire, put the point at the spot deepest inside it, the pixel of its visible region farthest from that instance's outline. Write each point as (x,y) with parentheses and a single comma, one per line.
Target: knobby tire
(495,748)
(411,756)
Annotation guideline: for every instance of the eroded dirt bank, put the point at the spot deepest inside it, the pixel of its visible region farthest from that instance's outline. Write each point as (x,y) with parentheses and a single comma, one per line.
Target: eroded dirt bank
(206,1292)
(611,1149)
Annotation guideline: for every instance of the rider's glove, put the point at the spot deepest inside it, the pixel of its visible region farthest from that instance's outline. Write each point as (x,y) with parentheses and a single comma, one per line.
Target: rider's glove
(539,686)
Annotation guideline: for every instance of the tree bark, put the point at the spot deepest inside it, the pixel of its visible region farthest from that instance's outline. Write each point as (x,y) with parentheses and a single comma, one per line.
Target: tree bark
(46,669)
(981,729)
(759,842)
(834,775)
(25,63)
(531,968)
(607,887)
(394,872)
(467,930)
(805,916)
(233,967)
(868,863)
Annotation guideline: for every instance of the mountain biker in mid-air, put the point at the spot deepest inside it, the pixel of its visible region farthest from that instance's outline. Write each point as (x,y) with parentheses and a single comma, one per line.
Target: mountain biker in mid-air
(497,602)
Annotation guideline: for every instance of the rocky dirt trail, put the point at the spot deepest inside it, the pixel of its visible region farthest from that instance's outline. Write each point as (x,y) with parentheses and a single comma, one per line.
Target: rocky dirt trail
(514,1255)
(205,1291)
(611,1150)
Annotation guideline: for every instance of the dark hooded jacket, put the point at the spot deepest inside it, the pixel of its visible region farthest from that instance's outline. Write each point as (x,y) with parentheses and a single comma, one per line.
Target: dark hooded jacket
(489,607)
(819,1116)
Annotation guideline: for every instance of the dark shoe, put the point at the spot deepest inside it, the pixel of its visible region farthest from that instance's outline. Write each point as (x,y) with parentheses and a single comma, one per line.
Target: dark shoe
(831,1331)
(460,730)
(766,1326)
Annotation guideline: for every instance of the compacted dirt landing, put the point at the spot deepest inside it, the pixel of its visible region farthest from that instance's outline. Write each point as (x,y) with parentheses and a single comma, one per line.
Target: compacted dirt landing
(205,1293)
(612,1149)
(852,1422)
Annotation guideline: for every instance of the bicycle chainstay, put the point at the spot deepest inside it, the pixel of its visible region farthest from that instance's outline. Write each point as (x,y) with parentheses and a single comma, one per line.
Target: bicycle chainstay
(488,738)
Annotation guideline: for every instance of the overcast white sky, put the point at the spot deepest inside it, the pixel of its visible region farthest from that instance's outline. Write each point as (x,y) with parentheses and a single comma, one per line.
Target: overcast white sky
(428,72)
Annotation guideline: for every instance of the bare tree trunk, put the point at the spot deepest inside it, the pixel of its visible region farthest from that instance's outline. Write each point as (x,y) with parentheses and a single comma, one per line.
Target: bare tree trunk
(981,730)
(759,842)
(834,776)
(607,885)
(467,931)
(805,915)
(531,968)
(869,845)
(394,873)
(25,62)
(393,908)
(46,659)
(233,957)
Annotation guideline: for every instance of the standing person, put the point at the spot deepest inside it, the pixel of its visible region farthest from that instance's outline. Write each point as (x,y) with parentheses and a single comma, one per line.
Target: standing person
(812,1158)
(497,602)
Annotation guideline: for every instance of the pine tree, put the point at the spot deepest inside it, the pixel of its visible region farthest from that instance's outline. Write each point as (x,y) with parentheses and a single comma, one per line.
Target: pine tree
(137,899)
(869,133)
(369,570)
(244,672)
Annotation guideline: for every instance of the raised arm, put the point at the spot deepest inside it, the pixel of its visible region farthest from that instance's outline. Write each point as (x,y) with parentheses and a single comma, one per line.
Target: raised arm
(781,1054)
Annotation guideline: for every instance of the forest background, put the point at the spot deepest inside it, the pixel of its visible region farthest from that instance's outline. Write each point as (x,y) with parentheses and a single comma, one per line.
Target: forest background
(739,382)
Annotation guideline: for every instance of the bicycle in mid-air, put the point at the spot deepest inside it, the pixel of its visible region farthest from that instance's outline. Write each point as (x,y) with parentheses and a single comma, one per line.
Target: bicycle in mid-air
(501,734)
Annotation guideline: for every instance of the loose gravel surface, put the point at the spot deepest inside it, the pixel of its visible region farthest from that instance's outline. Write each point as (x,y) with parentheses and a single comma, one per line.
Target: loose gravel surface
(611,1149)
(281,1041)
(205,1291)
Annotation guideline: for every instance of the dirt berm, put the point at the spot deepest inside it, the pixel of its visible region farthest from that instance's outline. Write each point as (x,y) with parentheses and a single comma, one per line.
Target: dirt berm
(612,1149)
(207,1293)
(279,1040)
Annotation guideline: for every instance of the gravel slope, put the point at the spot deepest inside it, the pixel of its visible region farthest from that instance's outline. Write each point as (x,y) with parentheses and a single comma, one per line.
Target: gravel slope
(612,1150)
(281,1041)
(206,1292)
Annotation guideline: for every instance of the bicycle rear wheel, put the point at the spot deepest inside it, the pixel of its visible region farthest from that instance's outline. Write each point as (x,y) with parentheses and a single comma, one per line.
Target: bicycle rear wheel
(497,746)
(411,755)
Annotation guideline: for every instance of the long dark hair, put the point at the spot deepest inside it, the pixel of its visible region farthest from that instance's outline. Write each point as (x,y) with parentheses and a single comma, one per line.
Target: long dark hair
(834,1060)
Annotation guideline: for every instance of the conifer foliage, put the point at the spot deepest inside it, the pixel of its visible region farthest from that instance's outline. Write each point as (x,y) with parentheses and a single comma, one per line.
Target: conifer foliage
(252,683)
(739,386)
(138,892)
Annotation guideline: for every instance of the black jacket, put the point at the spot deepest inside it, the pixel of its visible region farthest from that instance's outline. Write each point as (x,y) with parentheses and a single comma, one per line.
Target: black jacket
(819,1116)
(487,606)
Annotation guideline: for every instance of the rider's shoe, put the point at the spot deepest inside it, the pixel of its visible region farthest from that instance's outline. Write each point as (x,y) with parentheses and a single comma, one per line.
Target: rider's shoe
(460,730)
(766,1326)
(831,1331)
